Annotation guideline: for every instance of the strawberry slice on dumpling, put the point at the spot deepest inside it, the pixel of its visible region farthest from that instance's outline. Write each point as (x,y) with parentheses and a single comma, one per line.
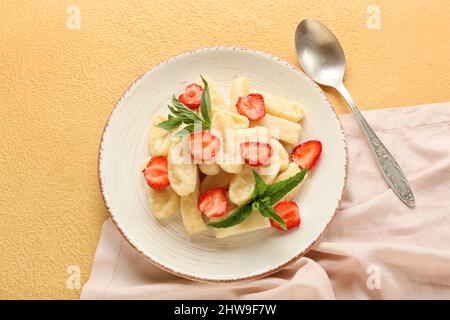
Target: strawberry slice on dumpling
(252,106)
(203,145)
(289,212)
(213,203)
(156,173)
(192,96)
(256,153)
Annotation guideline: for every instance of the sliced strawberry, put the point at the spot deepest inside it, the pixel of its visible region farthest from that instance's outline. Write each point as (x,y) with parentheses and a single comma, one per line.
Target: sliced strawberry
(156,173)
(256,153)
(192,96)
(213,203)
(252,106)
(305,155)
(203,145)
(288,211)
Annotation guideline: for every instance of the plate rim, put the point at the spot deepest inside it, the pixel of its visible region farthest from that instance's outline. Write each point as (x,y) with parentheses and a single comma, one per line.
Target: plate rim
(205,279)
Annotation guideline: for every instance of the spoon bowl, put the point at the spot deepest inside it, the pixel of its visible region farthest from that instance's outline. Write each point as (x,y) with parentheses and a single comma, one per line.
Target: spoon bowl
(319,53)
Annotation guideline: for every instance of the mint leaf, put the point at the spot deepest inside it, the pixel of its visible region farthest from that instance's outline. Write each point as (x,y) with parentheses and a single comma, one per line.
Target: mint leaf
(185,131)
(170,124)
(172,110)
(268,212)
(264,197)
(239,215)
(278,190)
(179,114)
(182,111)
(260,185)
(265,201)
(264,207)
(205,106)
(258,205)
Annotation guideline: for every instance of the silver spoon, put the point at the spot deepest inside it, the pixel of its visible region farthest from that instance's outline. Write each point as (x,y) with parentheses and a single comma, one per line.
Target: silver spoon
(322,58)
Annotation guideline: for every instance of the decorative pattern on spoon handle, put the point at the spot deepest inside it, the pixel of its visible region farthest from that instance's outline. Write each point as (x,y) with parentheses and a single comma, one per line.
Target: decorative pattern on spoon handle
(390,168)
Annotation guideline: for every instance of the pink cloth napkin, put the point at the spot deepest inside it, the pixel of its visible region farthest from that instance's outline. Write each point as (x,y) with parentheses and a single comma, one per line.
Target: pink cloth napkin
(376,247)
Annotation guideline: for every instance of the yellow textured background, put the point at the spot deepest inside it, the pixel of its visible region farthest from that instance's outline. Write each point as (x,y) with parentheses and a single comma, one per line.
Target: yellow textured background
(58,87)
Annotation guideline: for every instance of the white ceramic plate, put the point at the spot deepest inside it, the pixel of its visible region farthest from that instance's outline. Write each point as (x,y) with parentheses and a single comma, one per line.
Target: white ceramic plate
(203,257)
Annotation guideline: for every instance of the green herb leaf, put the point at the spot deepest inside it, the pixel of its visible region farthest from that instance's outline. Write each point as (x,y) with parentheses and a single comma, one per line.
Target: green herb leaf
(184,111)
(260,185)
(266,197)
(180,113)
(267,211)
(170,124)
(205,106)
(258,205)
(185,131)
(239,215)
(172,110)
(265,201)
(255,205)
(278,190)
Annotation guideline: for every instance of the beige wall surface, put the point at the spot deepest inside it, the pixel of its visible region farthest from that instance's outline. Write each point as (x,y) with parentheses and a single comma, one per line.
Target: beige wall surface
(59,84)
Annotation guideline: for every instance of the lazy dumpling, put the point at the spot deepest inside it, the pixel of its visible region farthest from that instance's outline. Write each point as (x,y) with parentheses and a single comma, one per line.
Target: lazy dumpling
(163,202)
(159,139)
(192,217)
(225,123)
(183,173)
(241,186)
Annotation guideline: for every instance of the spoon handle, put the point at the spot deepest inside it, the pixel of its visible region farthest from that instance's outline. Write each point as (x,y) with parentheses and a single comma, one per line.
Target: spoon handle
(386,162)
